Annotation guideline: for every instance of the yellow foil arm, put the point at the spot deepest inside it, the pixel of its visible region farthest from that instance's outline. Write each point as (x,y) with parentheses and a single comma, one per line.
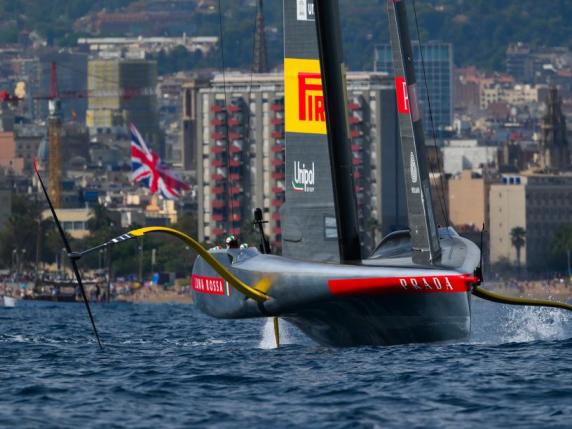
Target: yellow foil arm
(234,281)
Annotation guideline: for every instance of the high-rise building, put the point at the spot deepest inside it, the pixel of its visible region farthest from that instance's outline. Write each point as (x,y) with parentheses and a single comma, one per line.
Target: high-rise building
(240,165)
(123,91)
(540,204)
(554,149)
(438,60)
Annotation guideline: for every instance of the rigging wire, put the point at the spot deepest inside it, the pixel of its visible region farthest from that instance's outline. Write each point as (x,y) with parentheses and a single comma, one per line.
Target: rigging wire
(228,181)
(442,200)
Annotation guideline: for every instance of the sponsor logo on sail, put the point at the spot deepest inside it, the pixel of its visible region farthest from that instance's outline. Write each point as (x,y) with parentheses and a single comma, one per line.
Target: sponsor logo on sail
(304,178)
(305,10)
(305,110)
(401,95)
(413,168)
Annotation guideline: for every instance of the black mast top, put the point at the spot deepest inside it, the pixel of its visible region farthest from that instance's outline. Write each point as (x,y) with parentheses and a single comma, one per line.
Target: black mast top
(334,88)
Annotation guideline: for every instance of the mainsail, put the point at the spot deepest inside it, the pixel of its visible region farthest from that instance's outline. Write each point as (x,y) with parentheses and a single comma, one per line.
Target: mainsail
(307,217)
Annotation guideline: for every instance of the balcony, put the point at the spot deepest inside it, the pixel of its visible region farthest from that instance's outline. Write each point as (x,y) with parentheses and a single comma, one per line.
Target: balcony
(278,189)
(234,177)
(277,148)
(234,135)
(277,230)
(217,122)
(217,177)
(234,148)
(235,190)
(217,232)
(234,108)
(234,204)
(236,217)
(217,108)
(277,162)
(354,106)
(356,147)
(218,190)
(217,217)
(277,203)
(277,107)
(217,163)
(233,122)
(217,149)
(278,175)
(356,161)
(356,174)
(218,204)
(277,121)
(217,135)
(235,162)
(276,216)
(277,134)
(354,120)
(356,133)
(235,231)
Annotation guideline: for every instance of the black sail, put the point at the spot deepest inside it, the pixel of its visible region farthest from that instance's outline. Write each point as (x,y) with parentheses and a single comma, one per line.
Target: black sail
(308,217)
(424,237)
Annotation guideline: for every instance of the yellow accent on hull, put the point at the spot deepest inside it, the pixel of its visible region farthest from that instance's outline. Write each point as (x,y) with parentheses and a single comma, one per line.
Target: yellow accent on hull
(239,285)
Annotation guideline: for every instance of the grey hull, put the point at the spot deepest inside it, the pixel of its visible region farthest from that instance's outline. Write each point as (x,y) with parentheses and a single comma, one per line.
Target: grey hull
(386,320)
(381,301)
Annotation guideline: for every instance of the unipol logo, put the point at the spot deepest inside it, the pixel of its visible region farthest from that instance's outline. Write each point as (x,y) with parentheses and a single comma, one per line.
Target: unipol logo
(310,97)
(402,95)
(303,180)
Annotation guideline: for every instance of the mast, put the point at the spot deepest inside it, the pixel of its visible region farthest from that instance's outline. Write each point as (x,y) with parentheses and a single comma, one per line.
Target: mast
(335,98)
(424,236)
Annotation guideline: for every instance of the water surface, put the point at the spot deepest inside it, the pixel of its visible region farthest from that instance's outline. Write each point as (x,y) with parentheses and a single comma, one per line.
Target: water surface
(170,366)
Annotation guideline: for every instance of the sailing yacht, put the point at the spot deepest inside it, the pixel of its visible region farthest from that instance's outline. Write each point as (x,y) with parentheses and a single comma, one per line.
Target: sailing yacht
(416,285)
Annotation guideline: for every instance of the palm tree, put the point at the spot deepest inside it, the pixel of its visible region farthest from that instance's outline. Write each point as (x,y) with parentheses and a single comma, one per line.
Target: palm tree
(518,239)
(563,242)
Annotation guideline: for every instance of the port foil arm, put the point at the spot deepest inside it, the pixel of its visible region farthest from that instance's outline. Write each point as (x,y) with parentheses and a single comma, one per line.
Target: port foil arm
(239,285)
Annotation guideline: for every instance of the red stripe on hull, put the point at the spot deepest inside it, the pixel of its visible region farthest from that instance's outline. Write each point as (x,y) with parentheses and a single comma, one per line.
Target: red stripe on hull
(387,285)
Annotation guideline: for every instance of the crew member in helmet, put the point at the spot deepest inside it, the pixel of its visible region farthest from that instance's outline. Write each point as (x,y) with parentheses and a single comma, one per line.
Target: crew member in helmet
(232,242)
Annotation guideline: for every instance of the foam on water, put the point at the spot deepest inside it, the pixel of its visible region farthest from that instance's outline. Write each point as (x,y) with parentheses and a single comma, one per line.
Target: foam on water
(523,324)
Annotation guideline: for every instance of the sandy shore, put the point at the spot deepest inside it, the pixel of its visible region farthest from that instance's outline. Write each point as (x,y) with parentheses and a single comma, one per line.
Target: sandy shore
(533,289)
(156,296)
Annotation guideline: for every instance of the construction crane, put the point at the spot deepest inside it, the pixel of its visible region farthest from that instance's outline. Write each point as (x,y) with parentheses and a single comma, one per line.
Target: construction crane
(54,141)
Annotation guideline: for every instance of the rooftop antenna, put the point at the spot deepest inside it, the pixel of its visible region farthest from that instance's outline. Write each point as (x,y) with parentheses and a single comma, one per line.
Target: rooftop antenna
(260,63)
(54,140)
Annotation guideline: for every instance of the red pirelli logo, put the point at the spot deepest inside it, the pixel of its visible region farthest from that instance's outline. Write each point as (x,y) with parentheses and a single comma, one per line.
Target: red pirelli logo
(210,285)
(310,97)
(402,95)
(418,284)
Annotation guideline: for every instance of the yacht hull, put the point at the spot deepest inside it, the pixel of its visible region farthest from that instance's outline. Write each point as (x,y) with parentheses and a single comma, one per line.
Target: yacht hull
(375,302)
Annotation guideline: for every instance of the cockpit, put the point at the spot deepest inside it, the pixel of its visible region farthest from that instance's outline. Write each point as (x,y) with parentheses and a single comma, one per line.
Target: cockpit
(397,244)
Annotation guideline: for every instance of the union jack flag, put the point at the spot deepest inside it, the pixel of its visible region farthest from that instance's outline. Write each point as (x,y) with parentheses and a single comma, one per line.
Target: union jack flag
(148,169)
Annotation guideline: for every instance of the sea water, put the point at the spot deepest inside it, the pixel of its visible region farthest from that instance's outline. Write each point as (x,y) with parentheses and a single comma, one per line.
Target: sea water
(170,366)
